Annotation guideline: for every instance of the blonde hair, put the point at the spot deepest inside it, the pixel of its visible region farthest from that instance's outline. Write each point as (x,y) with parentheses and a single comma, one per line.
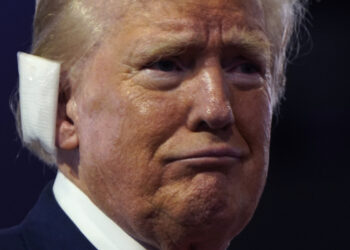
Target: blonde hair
(283,19)
(67,31)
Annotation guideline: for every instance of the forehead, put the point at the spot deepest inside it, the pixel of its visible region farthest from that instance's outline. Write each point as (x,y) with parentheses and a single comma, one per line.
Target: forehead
(187,16)
(209,11)
(184,23)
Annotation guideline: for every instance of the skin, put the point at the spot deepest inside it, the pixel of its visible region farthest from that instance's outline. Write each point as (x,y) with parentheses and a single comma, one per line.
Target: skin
(169,130)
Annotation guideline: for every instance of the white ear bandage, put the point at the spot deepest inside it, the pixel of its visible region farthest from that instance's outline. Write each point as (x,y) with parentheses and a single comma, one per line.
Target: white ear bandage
(38,93)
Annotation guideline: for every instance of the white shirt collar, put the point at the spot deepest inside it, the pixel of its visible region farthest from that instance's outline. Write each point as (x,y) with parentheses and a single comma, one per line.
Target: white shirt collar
(99,229)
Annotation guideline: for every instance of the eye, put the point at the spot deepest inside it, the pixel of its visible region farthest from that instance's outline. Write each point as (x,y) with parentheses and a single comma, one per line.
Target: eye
(242,65)
(247,68)
(245,74)
(165,65)
(162,74)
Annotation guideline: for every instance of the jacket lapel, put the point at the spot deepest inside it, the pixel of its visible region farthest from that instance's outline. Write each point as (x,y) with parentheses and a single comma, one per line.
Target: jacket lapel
(48,227)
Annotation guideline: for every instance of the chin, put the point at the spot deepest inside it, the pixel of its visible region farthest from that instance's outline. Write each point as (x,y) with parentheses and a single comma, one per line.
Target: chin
(213,230)
(204,211)
(207,225)
(212,234)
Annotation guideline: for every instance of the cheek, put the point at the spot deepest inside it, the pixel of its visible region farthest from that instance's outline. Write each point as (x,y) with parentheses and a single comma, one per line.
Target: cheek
(253,113)
(124,129)
(99,121)
(152,117)
(253,116)
(119,142)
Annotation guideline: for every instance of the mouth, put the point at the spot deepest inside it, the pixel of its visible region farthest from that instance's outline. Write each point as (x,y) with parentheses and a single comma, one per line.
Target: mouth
(209,156)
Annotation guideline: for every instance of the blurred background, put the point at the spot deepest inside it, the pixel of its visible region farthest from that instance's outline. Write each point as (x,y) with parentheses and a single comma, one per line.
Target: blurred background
(306,203)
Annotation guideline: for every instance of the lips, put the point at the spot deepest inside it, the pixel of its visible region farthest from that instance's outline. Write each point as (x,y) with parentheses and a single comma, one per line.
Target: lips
(209,153)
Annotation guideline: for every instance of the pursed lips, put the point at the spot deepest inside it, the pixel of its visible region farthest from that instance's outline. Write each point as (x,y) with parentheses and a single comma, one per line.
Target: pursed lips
(211,153)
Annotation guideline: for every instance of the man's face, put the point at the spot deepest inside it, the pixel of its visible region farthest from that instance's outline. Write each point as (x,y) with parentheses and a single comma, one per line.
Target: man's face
(173,118)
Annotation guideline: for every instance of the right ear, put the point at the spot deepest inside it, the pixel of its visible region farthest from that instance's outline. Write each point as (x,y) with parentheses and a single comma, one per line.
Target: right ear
(66,131)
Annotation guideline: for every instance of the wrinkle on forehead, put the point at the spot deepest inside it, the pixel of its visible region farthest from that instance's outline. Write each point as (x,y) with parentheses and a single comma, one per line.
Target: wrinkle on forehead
(214,8)
(160,39)
(209,10)
(244,13)
(205,10)
(186,24)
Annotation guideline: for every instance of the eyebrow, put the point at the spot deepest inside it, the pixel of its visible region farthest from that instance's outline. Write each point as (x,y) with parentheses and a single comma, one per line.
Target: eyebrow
(253,43)
(165,45)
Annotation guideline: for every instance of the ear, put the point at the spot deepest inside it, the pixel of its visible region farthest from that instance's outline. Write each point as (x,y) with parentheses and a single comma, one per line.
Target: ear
(66,131)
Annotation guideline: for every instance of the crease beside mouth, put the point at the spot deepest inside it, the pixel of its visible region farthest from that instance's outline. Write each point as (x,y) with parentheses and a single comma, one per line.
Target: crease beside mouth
(200,156)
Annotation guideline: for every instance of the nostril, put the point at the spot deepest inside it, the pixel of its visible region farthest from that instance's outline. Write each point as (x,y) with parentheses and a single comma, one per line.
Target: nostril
(227,127)
(215,123)
(203,126)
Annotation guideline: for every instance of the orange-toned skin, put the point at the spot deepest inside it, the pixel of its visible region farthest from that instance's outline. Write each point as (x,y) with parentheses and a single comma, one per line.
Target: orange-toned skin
(172,122)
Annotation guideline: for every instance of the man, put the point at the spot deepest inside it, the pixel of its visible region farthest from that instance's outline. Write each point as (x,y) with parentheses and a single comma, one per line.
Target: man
(163,120)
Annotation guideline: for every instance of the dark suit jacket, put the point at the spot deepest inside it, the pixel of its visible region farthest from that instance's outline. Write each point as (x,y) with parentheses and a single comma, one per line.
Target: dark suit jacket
(45,227)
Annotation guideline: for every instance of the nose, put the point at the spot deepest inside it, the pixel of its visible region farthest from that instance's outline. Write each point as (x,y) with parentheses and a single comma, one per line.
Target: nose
(211,101)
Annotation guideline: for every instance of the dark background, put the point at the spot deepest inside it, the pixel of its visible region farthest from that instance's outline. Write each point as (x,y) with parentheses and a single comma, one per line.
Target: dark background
(306,202)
